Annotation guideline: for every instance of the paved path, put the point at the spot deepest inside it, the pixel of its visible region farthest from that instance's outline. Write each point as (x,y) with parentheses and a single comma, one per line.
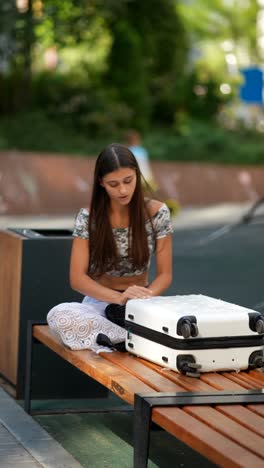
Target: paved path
(188,217)
(12,453)
(24,443)
(211,215)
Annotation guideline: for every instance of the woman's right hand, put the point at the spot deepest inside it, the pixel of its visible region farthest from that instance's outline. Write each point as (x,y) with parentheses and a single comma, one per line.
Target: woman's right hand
(135,292)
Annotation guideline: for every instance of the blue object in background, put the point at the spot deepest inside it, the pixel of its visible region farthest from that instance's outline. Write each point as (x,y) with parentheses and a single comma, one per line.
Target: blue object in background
(252,90)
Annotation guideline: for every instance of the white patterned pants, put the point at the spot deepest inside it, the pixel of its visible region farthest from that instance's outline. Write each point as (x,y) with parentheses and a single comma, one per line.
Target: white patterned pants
(79,323)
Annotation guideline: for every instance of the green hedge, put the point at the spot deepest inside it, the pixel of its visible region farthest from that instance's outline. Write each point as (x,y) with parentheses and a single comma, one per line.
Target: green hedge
(196,141)
(207,142)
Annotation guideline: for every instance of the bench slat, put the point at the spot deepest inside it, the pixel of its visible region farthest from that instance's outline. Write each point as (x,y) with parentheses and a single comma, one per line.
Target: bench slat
(245,380)
(187,383)
(228,427)
(243,383)
(147,375)
(258,409)
(114,378)
(136,366)
(258,376)
(210,443)
(238,413)
(217,420)
(245,417)
(215,433)
(221,381)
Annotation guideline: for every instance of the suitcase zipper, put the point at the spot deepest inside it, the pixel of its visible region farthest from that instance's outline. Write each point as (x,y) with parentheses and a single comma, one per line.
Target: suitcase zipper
(194,343)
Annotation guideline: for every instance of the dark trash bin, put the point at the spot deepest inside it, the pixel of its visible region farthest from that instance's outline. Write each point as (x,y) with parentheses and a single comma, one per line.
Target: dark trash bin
(34,271)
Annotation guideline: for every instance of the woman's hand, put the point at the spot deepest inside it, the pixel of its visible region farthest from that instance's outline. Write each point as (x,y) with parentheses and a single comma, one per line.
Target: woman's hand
(136,292)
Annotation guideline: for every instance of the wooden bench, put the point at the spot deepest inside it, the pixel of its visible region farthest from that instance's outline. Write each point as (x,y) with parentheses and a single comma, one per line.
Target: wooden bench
(230,435)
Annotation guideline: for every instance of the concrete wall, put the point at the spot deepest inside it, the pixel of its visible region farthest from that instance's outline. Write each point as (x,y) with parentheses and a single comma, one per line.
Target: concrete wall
(53,184)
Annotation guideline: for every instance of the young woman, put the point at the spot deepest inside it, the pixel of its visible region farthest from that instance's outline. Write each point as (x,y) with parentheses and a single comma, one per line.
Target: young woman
(111,252)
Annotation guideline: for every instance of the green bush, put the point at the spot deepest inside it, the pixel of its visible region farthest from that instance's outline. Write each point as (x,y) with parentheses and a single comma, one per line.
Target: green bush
(36,131)
(200,141)
(206,142)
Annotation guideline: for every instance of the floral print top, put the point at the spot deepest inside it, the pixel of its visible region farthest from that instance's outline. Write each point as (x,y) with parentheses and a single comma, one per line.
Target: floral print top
(162,227)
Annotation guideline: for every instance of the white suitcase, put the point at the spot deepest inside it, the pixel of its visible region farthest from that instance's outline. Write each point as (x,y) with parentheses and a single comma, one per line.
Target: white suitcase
(195,333)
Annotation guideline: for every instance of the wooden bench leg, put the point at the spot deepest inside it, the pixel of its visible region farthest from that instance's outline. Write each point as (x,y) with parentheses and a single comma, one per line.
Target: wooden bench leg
(29,359)
(142,421)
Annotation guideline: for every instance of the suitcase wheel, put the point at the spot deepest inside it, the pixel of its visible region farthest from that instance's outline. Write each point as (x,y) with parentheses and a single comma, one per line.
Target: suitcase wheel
(256,322)
(189,329)
(194,369)
(256,359)
(193,374)
(187,326)
(186,365)
(194,329)
(186,330)
(193,365)
(260,325)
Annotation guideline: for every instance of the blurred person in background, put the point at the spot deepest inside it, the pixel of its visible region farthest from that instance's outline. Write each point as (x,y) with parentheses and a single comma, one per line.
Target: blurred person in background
(133,141)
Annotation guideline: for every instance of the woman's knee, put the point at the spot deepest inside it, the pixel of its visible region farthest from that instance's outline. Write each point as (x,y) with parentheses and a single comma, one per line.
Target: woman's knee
(58,310)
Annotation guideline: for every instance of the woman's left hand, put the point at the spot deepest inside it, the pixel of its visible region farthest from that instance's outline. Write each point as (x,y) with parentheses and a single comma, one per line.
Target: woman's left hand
(136,292)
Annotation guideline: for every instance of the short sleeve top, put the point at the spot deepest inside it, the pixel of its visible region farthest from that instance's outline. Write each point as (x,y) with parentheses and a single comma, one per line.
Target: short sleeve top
(162,227)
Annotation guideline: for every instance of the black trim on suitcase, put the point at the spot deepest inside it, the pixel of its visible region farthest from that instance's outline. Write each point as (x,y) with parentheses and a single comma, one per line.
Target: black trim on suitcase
(194,343)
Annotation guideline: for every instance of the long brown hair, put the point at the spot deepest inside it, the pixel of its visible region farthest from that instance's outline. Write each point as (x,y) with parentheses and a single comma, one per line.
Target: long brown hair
(103,251)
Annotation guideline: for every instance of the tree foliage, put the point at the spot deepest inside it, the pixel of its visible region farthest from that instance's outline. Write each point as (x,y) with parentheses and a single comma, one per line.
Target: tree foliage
(155,68)
(129,54)
(17,39)
(220,20)
(121,62)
